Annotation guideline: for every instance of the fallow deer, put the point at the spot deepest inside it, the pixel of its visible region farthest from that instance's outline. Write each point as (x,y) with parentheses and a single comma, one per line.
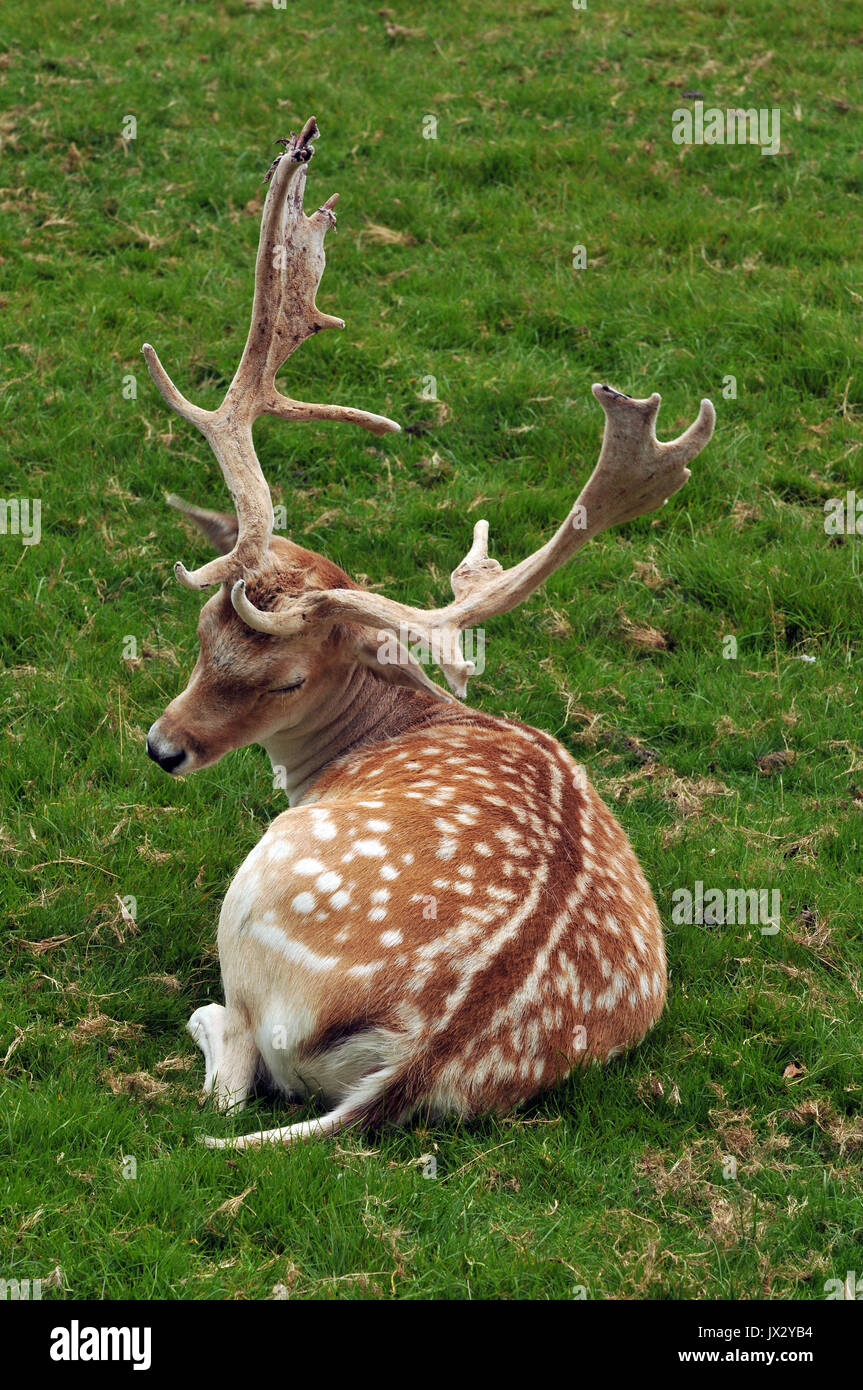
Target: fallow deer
(448,919)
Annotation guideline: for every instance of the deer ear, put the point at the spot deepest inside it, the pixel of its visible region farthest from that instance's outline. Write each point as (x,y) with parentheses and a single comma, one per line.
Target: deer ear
(220,528)
(384,654)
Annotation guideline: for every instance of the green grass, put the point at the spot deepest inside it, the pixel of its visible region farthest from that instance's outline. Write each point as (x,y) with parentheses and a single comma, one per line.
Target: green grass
(554,130)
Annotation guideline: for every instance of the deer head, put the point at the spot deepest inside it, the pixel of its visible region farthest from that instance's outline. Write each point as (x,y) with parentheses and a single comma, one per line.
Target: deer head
(294,654)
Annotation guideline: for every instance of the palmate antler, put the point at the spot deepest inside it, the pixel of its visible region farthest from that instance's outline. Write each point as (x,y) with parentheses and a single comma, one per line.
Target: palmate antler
(288,270)
(635,474)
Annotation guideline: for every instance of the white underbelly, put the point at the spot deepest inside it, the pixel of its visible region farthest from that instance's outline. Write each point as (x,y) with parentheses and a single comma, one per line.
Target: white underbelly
(331,1074)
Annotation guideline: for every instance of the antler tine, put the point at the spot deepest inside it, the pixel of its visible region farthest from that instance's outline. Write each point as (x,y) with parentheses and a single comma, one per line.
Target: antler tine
(289,265)
(635,474)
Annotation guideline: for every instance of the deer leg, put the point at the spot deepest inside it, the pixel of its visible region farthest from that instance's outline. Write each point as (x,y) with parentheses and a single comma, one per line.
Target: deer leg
(207,1027)
(235,1073)
(230,1053)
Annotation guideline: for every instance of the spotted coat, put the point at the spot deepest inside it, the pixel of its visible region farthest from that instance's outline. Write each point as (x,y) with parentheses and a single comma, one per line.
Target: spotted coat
(448,923)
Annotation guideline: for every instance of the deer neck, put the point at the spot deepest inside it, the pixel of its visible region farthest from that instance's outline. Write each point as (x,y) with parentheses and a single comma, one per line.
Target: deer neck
(362,709)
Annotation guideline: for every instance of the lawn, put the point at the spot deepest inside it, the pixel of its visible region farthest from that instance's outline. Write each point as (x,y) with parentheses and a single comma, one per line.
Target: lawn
(722,1158)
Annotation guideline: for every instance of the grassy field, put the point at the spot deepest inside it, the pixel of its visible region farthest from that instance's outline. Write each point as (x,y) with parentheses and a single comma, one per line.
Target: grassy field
(722,1159)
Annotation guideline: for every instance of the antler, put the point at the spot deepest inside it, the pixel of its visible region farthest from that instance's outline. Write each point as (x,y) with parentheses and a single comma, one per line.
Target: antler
(635,474)
(288,270)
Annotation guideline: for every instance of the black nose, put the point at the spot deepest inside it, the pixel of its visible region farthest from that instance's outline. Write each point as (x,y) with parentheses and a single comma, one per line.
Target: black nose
(168,762)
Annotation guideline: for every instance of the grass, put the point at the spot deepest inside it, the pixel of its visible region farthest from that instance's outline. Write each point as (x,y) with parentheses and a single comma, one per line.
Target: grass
(554,130)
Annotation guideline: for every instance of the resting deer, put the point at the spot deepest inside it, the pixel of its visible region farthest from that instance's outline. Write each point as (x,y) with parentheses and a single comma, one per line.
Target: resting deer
(448,919)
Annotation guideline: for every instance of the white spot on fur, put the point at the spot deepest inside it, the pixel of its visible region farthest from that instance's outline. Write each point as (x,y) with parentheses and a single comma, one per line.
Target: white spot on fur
(370,849)
(295,952)
(328,882)
(308,866)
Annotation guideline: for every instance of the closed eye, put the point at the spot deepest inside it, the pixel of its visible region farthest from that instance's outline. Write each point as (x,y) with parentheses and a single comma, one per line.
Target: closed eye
(283,689)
